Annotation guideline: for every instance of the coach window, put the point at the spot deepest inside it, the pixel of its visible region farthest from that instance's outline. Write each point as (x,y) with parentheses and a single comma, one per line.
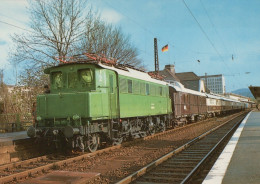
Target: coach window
(130,86)
(147,89)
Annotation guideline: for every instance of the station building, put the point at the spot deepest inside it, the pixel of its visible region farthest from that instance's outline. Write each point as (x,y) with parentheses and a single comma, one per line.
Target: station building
(215,83)
(189,79)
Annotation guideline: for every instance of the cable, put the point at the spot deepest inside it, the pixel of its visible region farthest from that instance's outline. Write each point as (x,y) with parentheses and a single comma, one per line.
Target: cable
(15,26)
(207,36)
(12,18)
(144,28)
(213,25)
(201,28)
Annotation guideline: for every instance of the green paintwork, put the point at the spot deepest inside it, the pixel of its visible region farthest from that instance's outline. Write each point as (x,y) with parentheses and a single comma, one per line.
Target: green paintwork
(138,103)
(91,93)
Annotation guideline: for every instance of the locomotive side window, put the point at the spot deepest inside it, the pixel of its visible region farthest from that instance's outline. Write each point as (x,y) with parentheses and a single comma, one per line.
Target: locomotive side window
(136,87)
(152,90)
(111,83)
(86,76)
(160,91)
(122,83)
(147,89)
(57,80)
(142,88)
(130,86)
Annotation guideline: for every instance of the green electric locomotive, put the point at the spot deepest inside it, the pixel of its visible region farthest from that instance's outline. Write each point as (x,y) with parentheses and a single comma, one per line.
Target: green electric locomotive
(92,102)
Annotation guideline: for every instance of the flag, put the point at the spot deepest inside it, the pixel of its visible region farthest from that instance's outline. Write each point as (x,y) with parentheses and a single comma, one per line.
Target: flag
(165,48)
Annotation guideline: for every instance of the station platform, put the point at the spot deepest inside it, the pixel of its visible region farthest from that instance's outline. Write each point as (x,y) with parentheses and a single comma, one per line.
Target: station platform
(10,137)
(239,162)
(15,146)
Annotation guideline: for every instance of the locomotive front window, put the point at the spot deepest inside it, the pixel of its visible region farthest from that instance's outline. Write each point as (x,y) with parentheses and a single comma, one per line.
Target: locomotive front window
(86,76)
(72,80)
(57,80)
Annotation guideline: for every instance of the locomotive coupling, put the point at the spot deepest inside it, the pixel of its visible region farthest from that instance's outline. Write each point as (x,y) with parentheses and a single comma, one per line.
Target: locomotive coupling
(31,132)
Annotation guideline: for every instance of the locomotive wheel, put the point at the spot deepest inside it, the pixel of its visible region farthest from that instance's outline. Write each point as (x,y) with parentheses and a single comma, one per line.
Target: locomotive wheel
(162,126)
(92,143)
(117,141)
(151,132)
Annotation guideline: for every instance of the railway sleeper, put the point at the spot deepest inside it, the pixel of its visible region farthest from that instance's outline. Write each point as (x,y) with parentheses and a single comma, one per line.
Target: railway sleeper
(160,179)
(168,174)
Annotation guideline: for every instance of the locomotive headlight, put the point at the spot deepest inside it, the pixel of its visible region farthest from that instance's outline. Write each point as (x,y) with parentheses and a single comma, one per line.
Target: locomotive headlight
(76,117)
(39,118)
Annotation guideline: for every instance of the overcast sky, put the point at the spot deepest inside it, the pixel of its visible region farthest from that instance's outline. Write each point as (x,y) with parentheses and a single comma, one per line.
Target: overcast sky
(222,28)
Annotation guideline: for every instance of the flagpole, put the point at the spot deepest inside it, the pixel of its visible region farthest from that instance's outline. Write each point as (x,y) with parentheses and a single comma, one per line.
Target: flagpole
(169,56)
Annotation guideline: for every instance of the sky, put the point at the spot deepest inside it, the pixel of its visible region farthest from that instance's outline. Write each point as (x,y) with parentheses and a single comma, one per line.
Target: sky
(223,35)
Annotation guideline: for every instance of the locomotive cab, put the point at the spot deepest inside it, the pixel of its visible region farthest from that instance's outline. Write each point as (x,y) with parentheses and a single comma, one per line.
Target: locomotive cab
(79,94)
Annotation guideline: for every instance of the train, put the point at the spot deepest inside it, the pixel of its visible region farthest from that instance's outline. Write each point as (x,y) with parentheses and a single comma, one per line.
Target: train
(92,101)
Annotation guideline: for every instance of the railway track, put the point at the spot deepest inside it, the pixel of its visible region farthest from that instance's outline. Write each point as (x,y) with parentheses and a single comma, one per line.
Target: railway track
(20,170)
(182,164)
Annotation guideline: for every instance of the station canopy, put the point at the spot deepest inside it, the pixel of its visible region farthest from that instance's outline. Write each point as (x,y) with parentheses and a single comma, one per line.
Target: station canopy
(255,90)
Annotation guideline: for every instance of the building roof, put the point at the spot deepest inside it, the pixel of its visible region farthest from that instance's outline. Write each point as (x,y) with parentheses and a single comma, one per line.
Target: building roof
(187,76)
(168,75)
(219,75)
(255,90)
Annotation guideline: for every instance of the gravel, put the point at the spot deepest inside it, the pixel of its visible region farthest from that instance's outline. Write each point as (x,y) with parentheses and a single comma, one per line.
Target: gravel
(122,162)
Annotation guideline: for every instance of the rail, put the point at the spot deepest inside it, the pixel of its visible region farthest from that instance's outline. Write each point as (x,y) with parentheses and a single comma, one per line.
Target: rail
(177,152)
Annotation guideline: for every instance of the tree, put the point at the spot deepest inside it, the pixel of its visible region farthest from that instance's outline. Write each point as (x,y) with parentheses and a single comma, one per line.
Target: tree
(56,25)
(105,39)
(60,28)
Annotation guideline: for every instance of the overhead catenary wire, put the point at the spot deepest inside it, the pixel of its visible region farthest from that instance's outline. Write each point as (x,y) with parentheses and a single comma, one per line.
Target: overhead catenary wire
(28,31)
(203,31)
(146,29)
(15,26)
(214,27)
(206,35)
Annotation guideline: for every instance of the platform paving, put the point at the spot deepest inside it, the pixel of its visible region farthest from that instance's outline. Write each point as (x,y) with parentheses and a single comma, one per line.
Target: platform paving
(239,163)
(13,146)
(5,137)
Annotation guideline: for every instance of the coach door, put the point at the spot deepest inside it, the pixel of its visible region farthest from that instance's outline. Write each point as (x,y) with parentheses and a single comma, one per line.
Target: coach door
(113,95)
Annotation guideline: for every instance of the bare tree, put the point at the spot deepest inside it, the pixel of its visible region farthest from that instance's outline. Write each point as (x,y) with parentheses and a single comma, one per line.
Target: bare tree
(105,39)
(56,25)
(60,28)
